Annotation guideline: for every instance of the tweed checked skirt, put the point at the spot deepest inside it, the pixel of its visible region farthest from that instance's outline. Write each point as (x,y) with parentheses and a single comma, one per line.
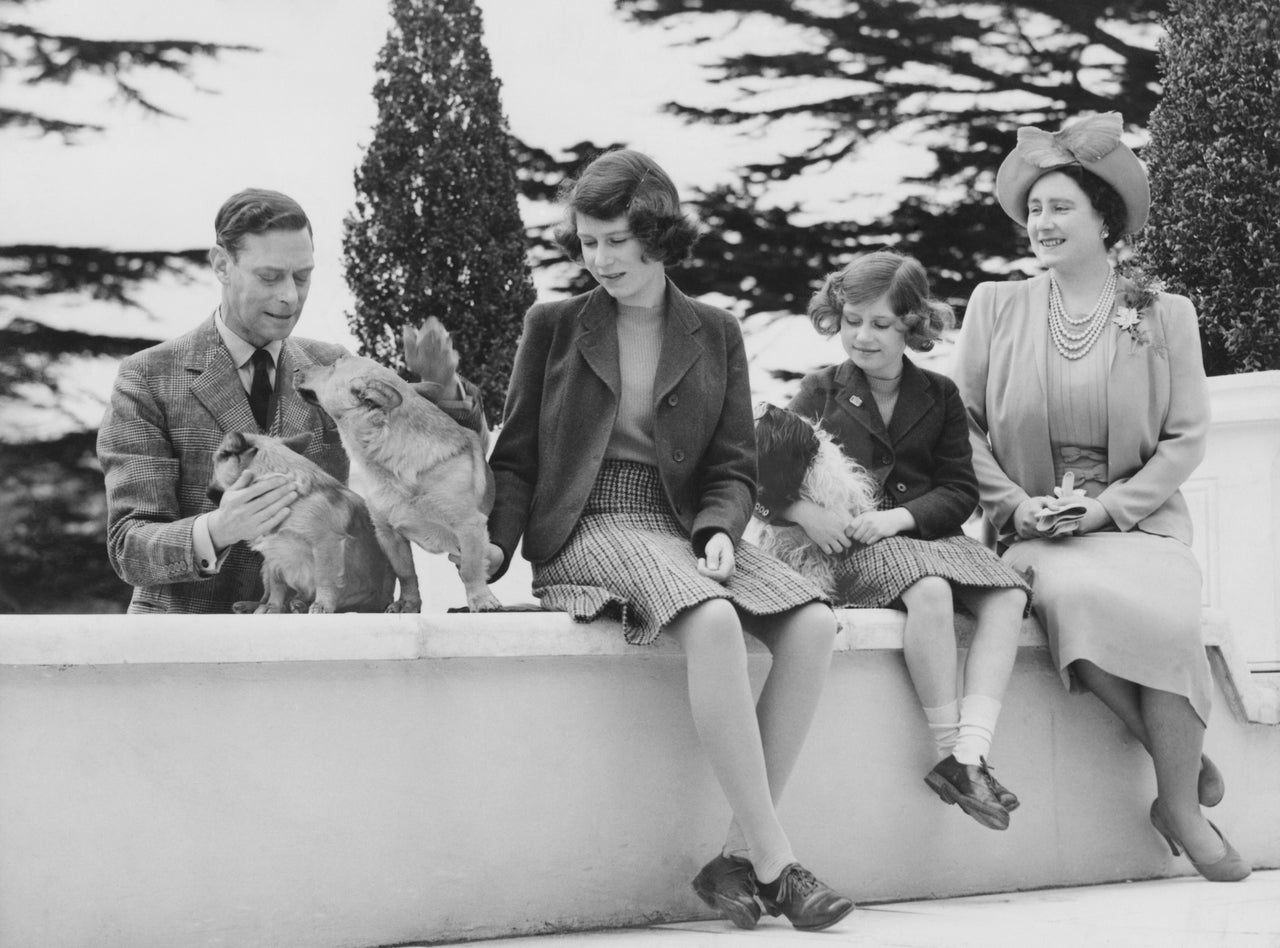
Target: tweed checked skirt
(630,559)
(874,576)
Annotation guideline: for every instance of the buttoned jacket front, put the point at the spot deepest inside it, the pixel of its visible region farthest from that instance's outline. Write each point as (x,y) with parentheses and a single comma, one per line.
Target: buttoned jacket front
(921,459)
(1157,406)
(563,401)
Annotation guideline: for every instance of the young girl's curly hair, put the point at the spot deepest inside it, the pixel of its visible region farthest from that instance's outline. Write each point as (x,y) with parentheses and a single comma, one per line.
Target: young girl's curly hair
(899,278)
(631,184)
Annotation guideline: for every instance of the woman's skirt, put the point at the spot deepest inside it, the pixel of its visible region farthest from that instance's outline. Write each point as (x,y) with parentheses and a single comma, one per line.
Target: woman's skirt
(1128,602)
(874,576)
(630,559)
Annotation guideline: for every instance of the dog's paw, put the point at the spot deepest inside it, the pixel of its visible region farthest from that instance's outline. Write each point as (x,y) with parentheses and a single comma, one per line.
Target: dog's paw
(483,601)
(411,605)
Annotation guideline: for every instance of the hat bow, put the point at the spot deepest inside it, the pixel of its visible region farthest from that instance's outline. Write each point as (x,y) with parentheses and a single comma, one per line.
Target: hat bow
(1086,140)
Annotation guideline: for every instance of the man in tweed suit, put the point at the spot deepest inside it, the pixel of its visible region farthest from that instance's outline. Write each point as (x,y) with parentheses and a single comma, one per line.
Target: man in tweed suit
(172,404)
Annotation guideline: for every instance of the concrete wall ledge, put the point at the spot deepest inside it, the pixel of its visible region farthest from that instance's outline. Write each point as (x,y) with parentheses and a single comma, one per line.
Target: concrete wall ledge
(351,781)
(57,640)
(158,639)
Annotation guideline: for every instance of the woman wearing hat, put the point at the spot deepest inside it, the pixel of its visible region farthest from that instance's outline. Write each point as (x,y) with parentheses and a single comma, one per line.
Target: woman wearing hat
(1088,409)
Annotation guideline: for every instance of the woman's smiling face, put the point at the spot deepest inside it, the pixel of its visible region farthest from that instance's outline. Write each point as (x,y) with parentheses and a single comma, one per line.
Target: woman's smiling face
(1064,227)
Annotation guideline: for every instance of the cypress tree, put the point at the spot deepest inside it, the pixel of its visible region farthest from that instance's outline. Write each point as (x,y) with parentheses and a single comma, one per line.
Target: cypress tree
(436,230)
(1214,161)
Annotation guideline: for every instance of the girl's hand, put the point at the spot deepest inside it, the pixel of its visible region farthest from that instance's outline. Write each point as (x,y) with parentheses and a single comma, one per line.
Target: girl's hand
(717,561)
(492,560)
(877,524)
(429,352)
(826,528)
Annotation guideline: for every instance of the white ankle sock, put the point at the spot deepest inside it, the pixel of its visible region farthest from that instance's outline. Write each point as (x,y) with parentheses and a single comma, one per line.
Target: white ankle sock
(944,725)
(978,716)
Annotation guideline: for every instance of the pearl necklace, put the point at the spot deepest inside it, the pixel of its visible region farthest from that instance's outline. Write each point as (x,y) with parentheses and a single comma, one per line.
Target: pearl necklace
(1075,337)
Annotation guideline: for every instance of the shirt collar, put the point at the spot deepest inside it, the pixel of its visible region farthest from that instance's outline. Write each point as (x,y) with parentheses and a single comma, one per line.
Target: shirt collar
(242,351)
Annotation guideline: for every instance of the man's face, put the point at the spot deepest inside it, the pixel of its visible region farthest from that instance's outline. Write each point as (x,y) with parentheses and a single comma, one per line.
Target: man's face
(265,284)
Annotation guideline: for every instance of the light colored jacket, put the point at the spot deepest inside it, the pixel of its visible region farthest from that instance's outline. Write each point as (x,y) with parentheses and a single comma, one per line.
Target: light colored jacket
(1157,407)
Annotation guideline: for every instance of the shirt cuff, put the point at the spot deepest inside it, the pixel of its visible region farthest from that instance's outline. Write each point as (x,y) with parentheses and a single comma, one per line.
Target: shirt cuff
(206,557)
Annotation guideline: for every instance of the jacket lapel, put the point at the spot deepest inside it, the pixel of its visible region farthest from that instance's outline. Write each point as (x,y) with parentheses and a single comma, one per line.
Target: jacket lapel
(216,384)
(680,349)
(598,339)
(856,400)
(293,414)
(1038,328)
(914,401)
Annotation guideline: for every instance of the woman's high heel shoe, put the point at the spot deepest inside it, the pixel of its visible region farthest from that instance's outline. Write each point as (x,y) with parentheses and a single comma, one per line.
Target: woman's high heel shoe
(1230,868)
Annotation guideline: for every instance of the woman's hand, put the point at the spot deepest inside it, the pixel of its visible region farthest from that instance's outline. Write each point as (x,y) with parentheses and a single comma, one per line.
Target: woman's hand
(717,560)
(1025,524)
(875,525)
(826,528)
(1095,516)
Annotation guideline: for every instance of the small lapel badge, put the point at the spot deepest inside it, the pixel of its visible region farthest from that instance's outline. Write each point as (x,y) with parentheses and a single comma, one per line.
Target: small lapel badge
(855,401)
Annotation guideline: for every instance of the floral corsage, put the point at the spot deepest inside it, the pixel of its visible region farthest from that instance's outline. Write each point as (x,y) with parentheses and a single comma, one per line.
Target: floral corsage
(1135,304)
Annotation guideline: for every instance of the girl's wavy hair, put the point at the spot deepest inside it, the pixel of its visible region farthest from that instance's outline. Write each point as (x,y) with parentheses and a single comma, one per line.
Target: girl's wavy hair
(631,184)
(885,273)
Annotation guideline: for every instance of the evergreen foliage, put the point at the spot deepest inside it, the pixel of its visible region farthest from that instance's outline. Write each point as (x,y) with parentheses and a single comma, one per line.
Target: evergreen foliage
(1214,160)
(435,230)
(958,79)
(32,57)
(52,501)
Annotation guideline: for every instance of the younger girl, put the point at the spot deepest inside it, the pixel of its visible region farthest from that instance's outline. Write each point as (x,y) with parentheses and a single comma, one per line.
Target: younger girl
(907,427)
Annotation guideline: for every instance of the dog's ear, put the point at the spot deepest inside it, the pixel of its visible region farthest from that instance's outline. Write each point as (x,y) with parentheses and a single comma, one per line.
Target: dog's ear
(298,442)
(236,443)
(377,394)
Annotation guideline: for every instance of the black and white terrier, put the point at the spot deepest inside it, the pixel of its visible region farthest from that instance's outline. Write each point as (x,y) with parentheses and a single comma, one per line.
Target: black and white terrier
(798,460)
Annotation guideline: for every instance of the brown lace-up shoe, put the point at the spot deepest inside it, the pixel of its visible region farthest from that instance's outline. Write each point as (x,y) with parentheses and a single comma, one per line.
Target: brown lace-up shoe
(969,786)
(728,885)
(808,904)
(1006,796)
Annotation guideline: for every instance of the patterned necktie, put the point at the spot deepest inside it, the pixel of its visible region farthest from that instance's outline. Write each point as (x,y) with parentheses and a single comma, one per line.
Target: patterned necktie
(260,389)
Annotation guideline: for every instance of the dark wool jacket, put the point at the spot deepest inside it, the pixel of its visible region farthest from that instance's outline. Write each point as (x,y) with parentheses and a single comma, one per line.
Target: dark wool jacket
(561,407)
(922,460)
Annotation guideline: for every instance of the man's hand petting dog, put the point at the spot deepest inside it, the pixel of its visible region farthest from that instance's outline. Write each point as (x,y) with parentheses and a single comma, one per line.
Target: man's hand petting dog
(250,508)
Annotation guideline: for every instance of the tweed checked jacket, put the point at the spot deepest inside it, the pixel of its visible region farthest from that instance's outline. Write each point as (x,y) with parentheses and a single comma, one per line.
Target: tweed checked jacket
(561,408)
(170,407)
